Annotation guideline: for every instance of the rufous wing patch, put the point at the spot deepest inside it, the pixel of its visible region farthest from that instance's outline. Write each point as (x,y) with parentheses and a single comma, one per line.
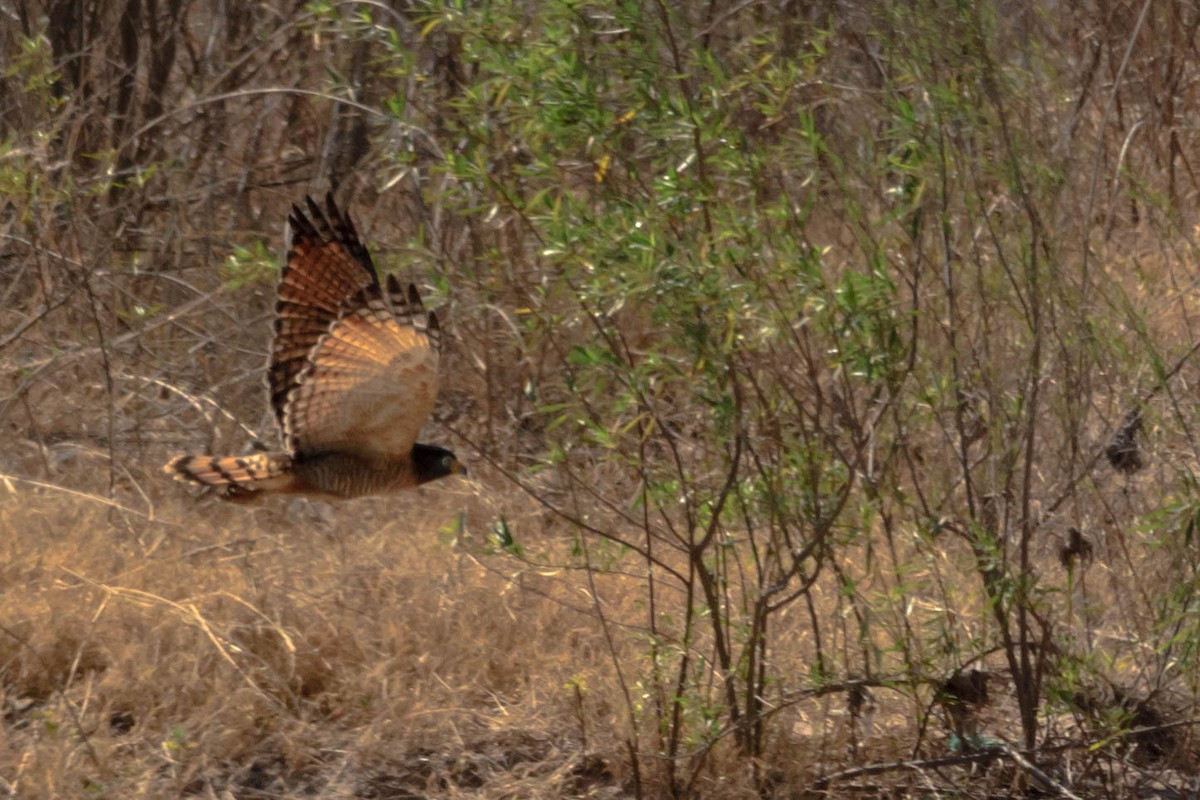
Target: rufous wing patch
(326,267)
(371,381)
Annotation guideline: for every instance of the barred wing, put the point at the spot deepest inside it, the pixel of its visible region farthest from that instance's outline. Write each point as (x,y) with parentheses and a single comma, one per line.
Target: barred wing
(327,266)
(370,382)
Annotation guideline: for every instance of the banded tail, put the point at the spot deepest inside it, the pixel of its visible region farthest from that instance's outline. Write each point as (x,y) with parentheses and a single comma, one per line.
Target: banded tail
(238,478)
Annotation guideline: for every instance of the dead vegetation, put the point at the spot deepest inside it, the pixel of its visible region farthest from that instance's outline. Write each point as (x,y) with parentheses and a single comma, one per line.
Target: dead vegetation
(824,372)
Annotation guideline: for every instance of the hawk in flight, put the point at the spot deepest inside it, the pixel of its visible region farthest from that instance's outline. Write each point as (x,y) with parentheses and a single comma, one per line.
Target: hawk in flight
(352,377)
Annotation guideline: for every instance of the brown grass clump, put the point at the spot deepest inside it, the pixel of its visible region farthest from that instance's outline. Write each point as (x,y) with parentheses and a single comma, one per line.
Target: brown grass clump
(281,653)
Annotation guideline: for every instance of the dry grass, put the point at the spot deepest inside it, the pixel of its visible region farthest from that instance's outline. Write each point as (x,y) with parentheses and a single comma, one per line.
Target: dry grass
(375,649)
(379,648)
(281,652)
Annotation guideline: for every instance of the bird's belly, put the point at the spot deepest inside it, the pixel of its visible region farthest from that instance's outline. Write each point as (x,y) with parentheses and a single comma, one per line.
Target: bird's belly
(344,475)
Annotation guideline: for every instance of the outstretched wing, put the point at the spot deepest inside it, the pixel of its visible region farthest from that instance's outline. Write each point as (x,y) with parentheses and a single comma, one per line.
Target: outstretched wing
(327,266)
(370,381)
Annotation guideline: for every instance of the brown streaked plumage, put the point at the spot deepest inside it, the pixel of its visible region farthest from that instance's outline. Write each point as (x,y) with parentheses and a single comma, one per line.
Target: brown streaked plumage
(352,377)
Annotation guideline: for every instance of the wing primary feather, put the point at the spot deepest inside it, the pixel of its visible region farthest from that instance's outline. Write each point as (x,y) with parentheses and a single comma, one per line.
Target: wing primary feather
(301,227)
(318,217)
(394,290)
(327,265)
(342,230)
(433,330)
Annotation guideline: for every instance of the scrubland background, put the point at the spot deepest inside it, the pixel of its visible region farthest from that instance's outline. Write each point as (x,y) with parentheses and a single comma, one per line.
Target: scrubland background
(821,367)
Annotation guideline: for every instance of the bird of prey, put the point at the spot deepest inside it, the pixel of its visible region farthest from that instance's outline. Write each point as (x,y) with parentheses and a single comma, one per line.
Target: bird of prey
(353,375)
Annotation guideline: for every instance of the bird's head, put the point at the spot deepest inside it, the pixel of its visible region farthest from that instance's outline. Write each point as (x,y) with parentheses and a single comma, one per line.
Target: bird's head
(432,462)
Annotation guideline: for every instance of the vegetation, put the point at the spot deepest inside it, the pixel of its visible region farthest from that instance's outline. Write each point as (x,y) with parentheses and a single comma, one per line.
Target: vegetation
(824,372)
